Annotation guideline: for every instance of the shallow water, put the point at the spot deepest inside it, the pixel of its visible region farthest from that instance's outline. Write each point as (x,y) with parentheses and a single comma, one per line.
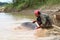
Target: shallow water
(7,32)
(7,25)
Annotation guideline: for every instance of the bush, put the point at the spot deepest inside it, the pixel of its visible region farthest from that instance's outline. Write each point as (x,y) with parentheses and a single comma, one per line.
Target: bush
(22,4)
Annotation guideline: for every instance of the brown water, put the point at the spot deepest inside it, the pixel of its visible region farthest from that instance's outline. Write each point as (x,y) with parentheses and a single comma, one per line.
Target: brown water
(9,22)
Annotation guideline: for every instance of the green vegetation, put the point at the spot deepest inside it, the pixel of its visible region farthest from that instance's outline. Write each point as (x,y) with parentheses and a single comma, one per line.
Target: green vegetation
(52,2)
(18,5)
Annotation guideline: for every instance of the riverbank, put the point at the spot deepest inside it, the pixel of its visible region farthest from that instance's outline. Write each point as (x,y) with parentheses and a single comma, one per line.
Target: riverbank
(17,5)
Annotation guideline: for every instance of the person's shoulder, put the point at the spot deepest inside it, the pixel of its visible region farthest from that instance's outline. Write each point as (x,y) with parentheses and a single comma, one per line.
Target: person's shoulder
(44,14)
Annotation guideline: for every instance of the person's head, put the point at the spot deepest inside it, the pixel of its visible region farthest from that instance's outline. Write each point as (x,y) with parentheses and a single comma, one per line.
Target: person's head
(37,13)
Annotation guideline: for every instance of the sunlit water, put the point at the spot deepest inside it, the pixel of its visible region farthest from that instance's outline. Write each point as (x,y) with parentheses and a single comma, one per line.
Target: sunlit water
(7,32)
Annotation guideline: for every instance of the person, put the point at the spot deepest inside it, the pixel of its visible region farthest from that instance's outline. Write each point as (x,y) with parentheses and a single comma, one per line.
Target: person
(43,20)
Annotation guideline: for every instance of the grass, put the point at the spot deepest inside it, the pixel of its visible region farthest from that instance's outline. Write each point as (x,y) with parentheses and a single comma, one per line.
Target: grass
(33,4)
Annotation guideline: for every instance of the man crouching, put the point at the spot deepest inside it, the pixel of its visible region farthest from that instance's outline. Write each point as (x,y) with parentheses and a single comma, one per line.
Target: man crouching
(43,20)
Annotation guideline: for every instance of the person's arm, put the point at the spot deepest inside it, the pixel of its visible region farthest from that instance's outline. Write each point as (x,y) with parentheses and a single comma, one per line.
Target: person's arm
(40,26)
(34,21)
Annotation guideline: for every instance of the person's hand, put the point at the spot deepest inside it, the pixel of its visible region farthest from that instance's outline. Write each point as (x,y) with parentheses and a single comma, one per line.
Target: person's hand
(41,26)
(38,27)
(33,21)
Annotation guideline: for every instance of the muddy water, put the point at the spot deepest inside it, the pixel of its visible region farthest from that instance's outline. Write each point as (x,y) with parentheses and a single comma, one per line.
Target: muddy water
(9,22)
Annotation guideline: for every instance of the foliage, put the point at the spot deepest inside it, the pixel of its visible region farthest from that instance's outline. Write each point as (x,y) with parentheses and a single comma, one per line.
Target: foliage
(22,4)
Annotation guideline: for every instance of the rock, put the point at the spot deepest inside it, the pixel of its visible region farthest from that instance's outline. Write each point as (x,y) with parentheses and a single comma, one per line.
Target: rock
(29,25)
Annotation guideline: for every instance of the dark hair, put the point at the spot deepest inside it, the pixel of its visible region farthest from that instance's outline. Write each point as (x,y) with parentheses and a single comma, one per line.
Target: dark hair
(39,13)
